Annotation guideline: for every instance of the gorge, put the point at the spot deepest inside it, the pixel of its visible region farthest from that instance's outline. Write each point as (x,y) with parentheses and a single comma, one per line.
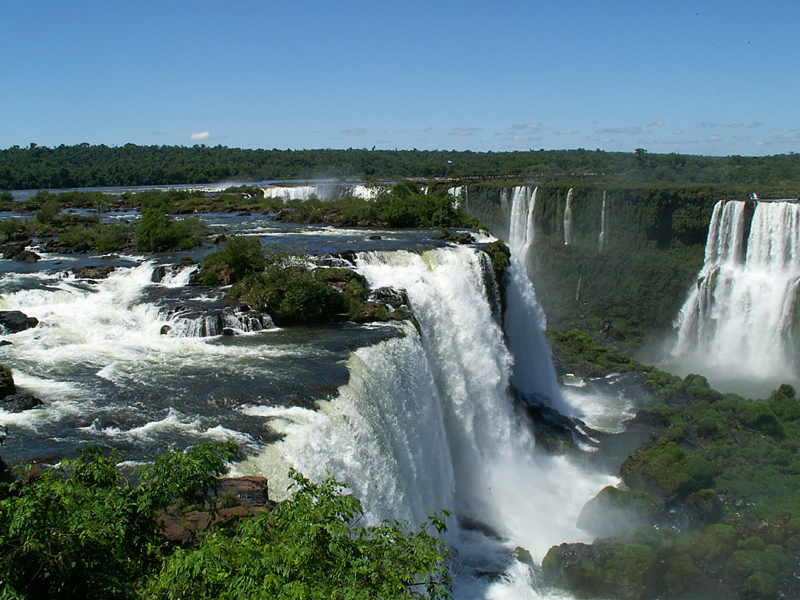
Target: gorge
(414,416)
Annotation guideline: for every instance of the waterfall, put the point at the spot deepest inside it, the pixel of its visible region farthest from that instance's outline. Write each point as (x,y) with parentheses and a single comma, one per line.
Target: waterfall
(326,192)
(601,242)
(427,422)
(568,219)
(533,372)
(737,322)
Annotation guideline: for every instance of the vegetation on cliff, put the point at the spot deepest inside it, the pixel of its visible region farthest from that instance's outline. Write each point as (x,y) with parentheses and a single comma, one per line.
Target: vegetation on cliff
(710,502)
(84,530)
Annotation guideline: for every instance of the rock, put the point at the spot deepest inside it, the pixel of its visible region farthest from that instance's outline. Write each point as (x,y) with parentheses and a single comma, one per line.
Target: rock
(374,237)
(14,321)
(19,402)
(12,249)
(26,256)
(99,272)
(237,498)
(5,343)
(158,274)
(389,296)
(7,387)
(165,329)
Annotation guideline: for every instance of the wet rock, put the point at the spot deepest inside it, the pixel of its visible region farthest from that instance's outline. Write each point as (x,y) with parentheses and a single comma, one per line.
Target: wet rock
(7,387)
(26,256)
(99,272)
(19,402)
(12,249)
(14,321)
(389,296)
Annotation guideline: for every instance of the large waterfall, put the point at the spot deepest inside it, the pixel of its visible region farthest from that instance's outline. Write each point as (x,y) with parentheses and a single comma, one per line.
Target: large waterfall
(739,319)
(427,422)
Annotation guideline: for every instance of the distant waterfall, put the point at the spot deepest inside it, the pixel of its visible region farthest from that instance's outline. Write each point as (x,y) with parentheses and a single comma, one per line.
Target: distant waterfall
(524,322)
(568,219)
(739,317)
(602,239)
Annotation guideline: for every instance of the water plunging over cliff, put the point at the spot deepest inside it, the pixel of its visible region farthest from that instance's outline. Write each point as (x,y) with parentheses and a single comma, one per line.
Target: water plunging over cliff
(603,237)
(739,320)
(427,422)
(568,219)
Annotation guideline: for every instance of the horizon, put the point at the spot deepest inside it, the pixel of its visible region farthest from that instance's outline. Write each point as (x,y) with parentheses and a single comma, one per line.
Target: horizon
(699,78)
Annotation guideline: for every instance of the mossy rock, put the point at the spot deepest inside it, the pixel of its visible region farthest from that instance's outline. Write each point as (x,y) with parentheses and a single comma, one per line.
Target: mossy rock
(618,513)
(667,471)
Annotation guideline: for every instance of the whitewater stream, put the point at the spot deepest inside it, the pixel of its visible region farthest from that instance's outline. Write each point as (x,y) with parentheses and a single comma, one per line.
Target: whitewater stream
(415,419)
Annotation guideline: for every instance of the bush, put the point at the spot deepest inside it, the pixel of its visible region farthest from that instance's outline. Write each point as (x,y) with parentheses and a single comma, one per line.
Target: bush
(239,257)
(309,547)
(157,232)
(82,531)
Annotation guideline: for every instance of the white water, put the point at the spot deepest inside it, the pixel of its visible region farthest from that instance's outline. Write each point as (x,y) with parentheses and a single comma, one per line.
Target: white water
(603,237)
(427,422)
(737,323)
(325,191)
(568,219)
(524,322)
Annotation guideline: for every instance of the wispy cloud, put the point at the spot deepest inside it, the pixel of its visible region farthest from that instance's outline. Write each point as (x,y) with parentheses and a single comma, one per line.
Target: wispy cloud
(464,130)
(155,133)
(628,130)
(707,125)
(536,125)
(659,123)
(568,132)
(202,135)
(354,131)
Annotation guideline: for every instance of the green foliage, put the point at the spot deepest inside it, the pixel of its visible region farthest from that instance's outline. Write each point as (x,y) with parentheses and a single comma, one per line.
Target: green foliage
(291,295)
(49,211)
(310,548)
(239,257)
(667,470)
(84,165)
(82,531)
(500,256)
(576,352)
(157,232)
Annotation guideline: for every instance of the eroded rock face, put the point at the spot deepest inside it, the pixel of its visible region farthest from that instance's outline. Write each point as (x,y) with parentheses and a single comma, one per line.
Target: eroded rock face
(14,321)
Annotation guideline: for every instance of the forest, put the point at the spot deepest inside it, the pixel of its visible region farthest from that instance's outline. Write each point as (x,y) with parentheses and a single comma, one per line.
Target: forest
(85,165)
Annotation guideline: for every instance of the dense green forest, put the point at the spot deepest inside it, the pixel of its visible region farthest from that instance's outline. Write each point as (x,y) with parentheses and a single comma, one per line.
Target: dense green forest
(84,165)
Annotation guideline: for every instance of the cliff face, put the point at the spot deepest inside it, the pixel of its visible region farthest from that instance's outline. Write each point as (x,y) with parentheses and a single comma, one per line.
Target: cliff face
(616,262)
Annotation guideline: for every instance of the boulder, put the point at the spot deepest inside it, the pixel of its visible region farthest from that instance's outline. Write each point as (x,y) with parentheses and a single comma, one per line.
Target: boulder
(19,402)
(98,272)
(12,249)
(26,256)
(7,386)
(14,321)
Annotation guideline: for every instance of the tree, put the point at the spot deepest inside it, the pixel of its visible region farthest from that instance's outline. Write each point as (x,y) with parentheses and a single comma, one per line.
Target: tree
(309,548)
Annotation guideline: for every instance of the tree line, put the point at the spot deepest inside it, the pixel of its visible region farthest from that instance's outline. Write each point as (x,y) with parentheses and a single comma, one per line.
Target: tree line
(85,165)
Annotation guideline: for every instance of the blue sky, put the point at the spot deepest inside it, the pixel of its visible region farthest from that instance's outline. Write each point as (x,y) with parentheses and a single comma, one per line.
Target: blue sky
(691,77)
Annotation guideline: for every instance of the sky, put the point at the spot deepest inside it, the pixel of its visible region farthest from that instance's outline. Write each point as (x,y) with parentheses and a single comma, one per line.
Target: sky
(702,77)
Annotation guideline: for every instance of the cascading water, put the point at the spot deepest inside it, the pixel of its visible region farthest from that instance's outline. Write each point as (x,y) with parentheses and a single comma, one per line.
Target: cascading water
(326,192)
(738,321)
(533,372)
(603,237)
(427,422)
(568,219)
